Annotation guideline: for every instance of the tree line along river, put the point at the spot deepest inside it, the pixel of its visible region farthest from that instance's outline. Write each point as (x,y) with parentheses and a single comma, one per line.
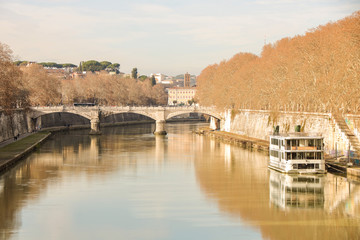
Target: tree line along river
(129,184)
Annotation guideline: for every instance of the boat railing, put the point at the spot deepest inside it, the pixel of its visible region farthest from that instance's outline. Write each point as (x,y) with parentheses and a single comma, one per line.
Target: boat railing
(308,148)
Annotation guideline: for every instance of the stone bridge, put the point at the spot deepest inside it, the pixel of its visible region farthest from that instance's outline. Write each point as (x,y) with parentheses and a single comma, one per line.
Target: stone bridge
(159,114)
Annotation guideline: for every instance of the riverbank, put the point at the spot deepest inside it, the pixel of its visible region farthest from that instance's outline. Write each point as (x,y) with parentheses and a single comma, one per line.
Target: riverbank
(351,172)
(240,140)
(340,165)
(13,152)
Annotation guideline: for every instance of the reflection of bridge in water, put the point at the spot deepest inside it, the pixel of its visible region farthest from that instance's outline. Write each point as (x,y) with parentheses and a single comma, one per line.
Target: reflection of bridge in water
(159,114)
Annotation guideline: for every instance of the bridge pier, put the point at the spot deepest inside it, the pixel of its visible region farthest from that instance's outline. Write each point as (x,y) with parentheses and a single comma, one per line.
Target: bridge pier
(31,123)
(160,127)
(214,123)
(95,126)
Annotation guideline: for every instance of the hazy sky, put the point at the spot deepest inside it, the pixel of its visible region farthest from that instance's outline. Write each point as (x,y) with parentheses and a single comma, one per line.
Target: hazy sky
(167,36)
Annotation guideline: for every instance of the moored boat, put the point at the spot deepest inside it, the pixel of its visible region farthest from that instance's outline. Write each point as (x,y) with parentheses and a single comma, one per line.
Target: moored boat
(297,153)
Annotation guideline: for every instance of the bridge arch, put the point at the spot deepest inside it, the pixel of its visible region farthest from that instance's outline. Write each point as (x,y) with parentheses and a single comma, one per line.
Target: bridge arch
(106,117)
(38,114)
(177,113)
(142,113)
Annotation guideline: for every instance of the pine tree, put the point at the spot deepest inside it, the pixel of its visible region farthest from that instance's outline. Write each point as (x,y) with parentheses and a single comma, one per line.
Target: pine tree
(153,80)
(134,73)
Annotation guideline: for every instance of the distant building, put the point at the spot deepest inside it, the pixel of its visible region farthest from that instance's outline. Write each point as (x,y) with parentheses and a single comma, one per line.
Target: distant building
(159,77)
(186,80)
(30,63)
(167,82)
(181,95)
(78,75)
(57,72)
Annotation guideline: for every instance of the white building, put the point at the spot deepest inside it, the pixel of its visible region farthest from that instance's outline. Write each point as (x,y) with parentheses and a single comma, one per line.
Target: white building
(159,77)
(181,95)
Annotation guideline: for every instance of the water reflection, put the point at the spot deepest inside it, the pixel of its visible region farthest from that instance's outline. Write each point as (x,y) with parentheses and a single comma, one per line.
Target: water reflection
(158,178)
(296,191)
(280,206)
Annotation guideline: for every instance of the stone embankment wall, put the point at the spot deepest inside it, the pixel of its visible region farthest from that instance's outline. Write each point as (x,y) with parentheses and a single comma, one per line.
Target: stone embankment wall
(13,125)
(259,124)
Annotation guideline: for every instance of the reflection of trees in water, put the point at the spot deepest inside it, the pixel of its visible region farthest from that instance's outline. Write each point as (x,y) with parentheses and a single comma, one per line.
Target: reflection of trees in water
(20,186)
(75,153)
(239,182)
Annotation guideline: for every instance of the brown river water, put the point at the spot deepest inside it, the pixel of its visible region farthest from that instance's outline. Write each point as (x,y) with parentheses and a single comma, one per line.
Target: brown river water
(129,184)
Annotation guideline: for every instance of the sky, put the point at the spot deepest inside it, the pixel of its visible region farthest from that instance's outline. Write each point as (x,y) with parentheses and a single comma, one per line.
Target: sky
(157,36)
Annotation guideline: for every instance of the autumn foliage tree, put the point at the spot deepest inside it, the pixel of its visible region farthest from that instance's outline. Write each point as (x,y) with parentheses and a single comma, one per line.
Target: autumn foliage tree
(43,88)
(30,85)
(12,92)
(105,89)
(318,71)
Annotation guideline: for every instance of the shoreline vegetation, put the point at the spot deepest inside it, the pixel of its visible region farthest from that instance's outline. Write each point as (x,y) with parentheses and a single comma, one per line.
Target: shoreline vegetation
(314,72)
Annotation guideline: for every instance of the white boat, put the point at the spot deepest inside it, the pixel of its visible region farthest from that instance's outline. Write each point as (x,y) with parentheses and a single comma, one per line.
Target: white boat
(297,153)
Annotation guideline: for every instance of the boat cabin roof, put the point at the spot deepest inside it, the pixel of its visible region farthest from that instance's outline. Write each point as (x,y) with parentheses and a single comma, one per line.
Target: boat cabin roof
(297,135)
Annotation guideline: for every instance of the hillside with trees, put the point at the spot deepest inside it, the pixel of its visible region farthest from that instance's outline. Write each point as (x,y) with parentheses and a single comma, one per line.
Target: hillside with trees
(318,71)
(48,64)
(90,65)
(94,66)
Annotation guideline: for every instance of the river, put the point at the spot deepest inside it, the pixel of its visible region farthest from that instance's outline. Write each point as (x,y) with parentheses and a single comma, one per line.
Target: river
(129,184)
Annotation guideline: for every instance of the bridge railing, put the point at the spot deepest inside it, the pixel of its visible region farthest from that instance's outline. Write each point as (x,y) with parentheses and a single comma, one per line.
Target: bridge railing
(121,108)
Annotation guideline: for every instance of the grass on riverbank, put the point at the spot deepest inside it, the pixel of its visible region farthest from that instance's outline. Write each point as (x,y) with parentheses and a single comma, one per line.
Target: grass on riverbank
(11,150)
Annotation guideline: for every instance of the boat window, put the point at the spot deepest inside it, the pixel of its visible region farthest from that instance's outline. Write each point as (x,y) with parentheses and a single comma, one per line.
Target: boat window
(295,166)
(300,155)
(309,155)
(318,143)
(288,156)
(318,155)
(302,143)
(317,166)
(294,143)
(288,145)
(274,153)
(305,166)
(274,141)
(293,155)
(311,142)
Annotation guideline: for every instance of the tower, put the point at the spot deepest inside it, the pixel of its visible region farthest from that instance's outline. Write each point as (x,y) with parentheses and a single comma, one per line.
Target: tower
(187,80)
